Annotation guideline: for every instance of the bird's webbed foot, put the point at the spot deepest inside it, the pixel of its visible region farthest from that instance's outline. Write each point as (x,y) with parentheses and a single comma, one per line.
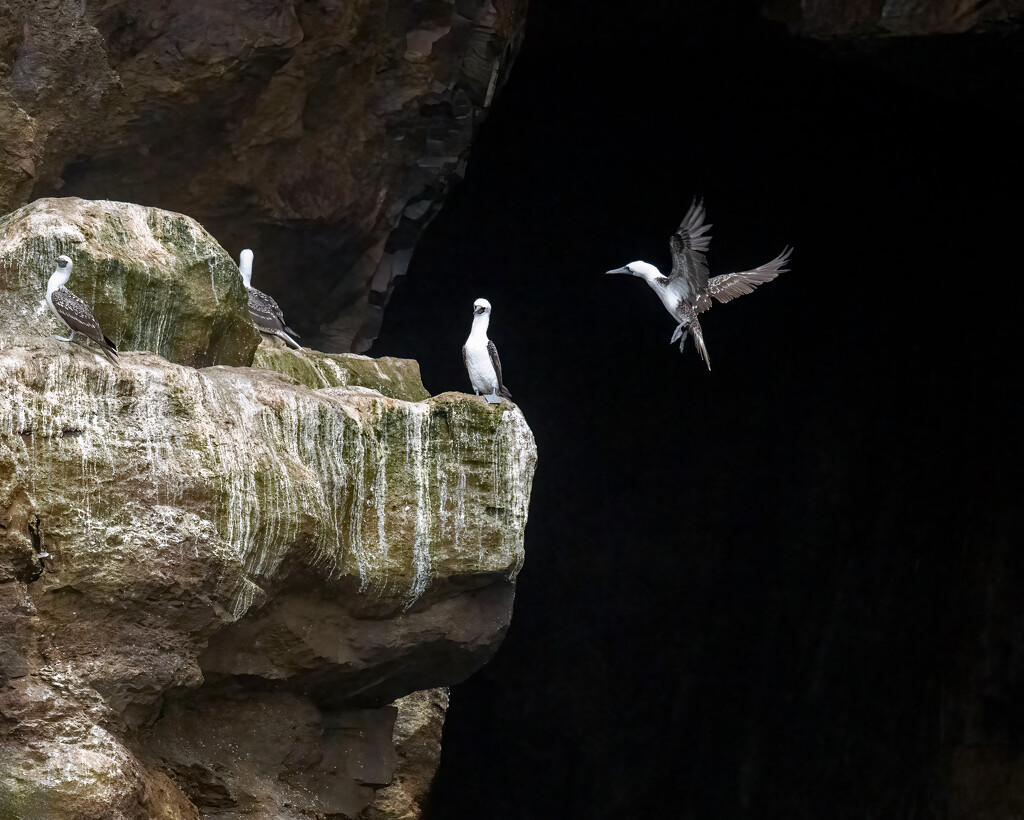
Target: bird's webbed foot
(678,333)
(493,398)
(682,339)
(64,338)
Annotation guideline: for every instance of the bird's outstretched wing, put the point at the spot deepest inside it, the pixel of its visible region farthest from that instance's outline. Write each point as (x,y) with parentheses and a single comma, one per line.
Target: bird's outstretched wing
(727,287)
(689,246)
(493,352)
(79,318)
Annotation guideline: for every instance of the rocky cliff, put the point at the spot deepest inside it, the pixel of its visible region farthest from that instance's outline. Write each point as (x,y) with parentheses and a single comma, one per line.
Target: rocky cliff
(229,591)
(324,135)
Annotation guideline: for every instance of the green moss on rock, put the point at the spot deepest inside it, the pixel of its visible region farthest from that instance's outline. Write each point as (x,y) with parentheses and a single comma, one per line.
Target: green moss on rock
(391,377)
(222,521)
(155,280)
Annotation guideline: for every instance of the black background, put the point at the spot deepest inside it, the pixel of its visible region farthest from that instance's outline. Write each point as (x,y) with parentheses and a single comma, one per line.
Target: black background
(757,591)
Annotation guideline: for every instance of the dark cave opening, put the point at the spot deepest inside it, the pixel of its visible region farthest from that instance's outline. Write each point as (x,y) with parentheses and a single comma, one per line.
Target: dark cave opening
(784,587)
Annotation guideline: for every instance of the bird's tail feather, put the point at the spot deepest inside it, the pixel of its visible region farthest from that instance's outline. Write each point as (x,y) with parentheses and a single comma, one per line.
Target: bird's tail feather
(698,340)
(110,352)
(692,326)
(503,391)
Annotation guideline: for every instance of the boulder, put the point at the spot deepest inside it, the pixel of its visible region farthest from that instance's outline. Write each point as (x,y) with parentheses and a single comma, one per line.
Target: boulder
(155,280)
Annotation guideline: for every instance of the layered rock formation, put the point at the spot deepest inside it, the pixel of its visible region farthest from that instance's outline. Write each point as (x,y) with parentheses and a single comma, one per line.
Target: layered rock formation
(323,135)
(230,591)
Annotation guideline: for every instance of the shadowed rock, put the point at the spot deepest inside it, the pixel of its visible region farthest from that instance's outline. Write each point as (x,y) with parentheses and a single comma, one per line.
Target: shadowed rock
(866,18)
(323,135)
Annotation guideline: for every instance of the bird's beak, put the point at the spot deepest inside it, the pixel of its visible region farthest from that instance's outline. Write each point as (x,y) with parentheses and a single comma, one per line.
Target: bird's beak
(619,270)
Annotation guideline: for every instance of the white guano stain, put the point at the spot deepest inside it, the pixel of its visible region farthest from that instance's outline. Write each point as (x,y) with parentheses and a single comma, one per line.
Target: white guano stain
(258,469)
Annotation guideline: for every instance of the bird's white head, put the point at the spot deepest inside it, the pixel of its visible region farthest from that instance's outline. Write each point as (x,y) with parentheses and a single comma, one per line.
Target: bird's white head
(481,307)
(61,274)
(245,266)
(644,270)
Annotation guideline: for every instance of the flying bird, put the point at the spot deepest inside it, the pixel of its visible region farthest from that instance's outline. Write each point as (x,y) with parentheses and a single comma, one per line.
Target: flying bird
(687,290)
(72,312)
(481,357)
(263,310)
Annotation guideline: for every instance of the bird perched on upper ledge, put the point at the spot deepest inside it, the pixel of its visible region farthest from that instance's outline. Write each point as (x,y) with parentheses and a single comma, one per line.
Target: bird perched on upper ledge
(263,310)
(481,357)
(72,312)
(687,291)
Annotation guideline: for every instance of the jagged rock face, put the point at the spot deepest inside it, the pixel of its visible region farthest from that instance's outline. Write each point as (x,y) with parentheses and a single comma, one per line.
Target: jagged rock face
(345,764)
(155,280)
(214,582)
(417,737)
(321,134)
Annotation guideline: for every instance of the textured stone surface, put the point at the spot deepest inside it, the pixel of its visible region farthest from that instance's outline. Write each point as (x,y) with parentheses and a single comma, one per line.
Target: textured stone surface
(215,582)
(155,280)
(323,135)
(373,763)
(417,740)
(165,526)
(274,755)
(395,378)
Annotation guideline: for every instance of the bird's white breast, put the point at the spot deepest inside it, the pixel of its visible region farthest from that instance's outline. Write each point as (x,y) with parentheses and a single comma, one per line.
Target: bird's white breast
(672,293)
(478,362)
(49,301)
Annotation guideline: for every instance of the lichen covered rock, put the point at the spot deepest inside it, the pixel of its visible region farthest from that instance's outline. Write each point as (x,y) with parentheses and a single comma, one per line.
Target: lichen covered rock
(395,378)
(220,587)
(167,529)
(155,280)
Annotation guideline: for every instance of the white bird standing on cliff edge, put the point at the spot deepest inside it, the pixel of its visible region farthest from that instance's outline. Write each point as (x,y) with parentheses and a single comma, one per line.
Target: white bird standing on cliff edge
(481,357)
(687,291)
(72,312)
(263,310)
